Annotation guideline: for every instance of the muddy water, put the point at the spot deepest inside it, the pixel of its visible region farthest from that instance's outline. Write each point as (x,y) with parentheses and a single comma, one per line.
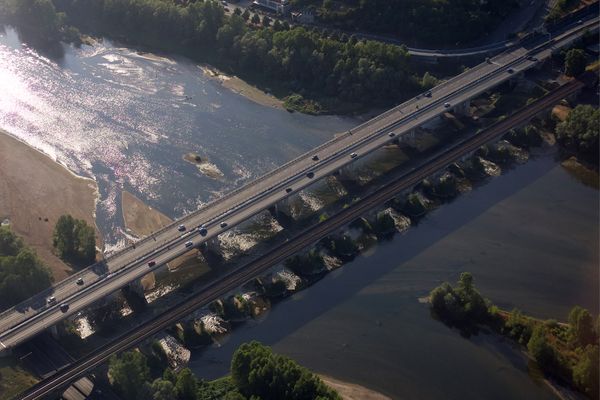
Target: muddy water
(530,238)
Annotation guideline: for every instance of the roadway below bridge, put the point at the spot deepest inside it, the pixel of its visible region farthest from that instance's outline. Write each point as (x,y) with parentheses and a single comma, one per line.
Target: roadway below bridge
(244,273)
(131,264)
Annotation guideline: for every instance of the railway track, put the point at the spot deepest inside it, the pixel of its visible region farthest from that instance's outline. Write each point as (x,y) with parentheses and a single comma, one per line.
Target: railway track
(304,239)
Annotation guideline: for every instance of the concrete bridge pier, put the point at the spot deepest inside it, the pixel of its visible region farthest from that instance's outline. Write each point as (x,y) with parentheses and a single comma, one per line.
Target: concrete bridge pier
(134,294)
(282,212)
(463,108)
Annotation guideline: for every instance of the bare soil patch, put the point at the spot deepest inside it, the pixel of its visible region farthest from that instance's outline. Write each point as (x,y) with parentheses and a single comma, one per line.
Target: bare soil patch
(35,191)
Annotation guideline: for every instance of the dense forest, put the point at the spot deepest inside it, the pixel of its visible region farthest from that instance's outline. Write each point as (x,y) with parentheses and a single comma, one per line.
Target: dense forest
(434,22)
(22,274)
(256,373)
(329,72)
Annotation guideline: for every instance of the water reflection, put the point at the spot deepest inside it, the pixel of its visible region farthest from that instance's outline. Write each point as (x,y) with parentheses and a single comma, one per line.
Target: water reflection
(127,118)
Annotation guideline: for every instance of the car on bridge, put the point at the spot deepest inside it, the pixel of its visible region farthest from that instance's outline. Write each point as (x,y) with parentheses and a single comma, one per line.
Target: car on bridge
(79,281)
(288,190)
(202,230)
(181,228)
(51,300)
(223,225)
(151,263)
(64,307)
(315,158)
(353,155)
(189,243)
(447,105)
(310,175)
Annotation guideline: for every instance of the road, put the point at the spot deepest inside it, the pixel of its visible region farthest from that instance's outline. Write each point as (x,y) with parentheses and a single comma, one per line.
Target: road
(28,319)
(302,240)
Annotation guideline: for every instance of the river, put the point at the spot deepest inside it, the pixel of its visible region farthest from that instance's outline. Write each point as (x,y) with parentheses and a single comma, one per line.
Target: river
(529,236)
(127,118)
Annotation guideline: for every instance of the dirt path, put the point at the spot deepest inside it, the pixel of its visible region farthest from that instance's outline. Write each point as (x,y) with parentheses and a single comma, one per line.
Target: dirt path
(35,191)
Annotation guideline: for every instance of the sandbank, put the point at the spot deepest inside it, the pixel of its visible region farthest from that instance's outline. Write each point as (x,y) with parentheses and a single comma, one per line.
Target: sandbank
(243,88)
(35,191)
(351,391)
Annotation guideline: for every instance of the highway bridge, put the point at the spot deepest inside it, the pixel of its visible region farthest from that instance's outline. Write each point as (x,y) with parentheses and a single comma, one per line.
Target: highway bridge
(131,264)
(301,240)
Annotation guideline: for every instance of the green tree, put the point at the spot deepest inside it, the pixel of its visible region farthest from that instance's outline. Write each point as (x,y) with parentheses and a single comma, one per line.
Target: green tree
(256,371)
(255,19)
(163,390)
(246,15)
(586,372)
(22,273)
(74,240)
(581,327)
(580,131)
(186,385)
(575,62)
(129,373)
(266,21)
(540,349)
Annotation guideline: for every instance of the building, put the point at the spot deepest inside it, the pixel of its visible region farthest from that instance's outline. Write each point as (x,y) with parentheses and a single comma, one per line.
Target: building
(279,6)
(304,17)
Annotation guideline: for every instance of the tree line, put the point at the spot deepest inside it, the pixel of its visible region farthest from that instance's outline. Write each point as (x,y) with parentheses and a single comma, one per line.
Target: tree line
(318,71)
(435,22)
(256,373)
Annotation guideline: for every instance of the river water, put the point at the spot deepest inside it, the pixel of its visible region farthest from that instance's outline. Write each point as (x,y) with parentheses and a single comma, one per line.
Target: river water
(530,236)
(127,118)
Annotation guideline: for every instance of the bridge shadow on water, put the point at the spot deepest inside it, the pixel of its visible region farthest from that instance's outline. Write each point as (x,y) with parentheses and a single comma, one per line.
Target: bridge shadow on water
(338,286)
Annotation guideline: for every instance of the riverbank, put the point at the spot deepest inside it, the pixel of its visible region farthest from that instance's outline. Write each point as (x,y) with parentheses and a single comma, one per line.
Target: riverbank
(35,191)
(350,391)
(242,88)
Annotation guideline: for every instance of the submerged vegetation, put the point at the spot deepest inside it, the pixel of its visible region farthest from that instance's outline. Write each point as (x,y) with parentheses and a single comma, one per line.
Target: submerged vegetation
(22,273)
(565,352)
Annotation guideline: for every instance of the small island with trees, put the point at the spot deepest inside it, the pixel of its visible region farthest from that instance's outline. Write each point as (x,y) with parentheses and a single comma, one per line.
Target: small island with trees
(565,352)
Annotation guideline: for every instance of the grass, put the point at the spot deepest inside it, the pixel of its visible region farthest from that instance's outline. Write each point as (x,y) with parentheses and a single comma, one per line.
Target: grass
(13,379)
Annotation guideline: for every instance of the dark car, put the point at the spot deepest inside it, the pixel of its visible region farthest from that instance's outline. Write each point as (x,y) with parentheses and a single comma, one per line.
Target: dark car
(510,70)
(151,263)
(203,231)
(315,158)
(64,307)
(181,228)
(79,281)
(310,175)
(223,225)
(288,190)
(428,94)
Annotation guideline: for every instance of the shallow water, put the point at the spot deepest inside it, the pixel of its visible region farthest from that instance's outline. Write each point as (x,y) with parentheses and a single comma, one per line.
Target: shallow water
(530,239)
(127,119)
